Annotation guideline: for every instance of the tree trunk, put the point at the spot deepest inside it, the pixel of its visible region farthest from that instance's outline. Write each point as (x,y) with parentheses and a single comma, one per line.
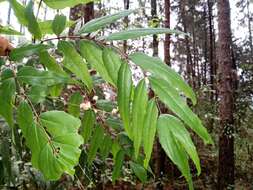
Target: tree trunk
(167,36)
(126,22)
(154,16)
(226,94)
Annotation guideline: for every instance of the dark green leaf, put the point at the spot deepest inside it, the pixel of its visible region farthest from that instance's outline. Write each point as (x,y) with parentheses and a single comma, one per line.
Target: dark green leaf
(25,51)
(33,25)
(139,32)
(117,169)
(74,62)
(101,22)
(159,69)
(124,96)
(105,147)
(174,101)
(139,171)
(105,105)
(139,110)
(88,122)
(59,24)
(74,104)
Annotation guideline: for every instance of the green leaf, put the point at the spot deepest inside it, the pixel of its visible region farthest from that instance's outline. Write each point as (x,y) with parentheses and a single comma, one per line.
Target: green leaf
(8,30)
(88,122)
(7,92)
(101,22)
(174,101)
(105,105)
(93,55)
(105,147)
(182,136)
(118,165)
(139,32)
(112,62)
(159,69)
(34,77)
(37,94)
(74,104)
(19,11)
(125,84)
(139,171)
(74,62)
(33,26)
(61,4)
(174,151)
(25,51)
(56,90)
(59,24)
(95,143)
(138,115)
(58,152)
(149,130)
(50,63)
(46,26)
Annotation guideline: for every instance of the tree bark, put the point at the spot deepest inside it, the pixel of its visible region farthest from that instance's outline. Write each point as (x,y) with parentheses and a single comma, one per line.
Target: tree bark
(126,23)
(167,36)
(226,94)
(154,16)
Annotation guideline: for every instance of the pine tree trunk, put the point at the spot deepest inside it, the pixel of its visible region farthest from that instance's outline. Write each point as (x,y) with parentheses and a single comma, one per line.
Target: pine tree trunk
(226,94)
(167,36)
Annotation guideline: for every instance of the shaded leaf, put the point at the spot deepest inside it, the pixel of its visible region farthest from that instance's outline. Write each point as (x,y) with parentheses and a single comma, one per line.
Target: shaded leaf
(117,169)
(139,171)
(88,122)
(59,24)
(74,104)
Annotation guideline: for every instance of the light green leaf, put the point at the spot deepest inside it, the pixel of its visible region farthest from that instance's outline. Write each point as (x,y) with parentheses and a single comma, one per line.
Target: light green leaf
(101,22)
(25,51)
(7,92)
(174,151)
(125,84)
(74,104)
(33,25)
(57,152)
(139,32)
(138,114)
(34,77)
(8,30)
(95,143)
(159,69)
(112,62)
(61,4)
(139,171)
(46,26)
(149,130)
(37,94)
(93,55)
(174,101)
(19,11)
(182,136)
(88,122)
(74,62)
(117,169)
(59,24)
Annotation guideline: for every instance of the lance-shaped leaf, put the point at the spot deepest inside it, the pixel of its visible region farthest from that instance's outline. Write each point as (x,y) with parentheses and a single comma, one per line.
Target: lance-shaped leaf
(117,169)
(33,25)
(101,22)
(74,104)
(25,51)
(112,62)
(174,151)
(182,136)
(149,130)
(58,152)
(139,32)
(7,91)
(159,69)
(138,114)
(74,62)
(59,24)
(50,63)
(93,55)
(34,77)
(96,142)
(174,101)
(124,96)
(61,4)
(105,147)
(8,30)
(19,11)
(88,122)
(139,171)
